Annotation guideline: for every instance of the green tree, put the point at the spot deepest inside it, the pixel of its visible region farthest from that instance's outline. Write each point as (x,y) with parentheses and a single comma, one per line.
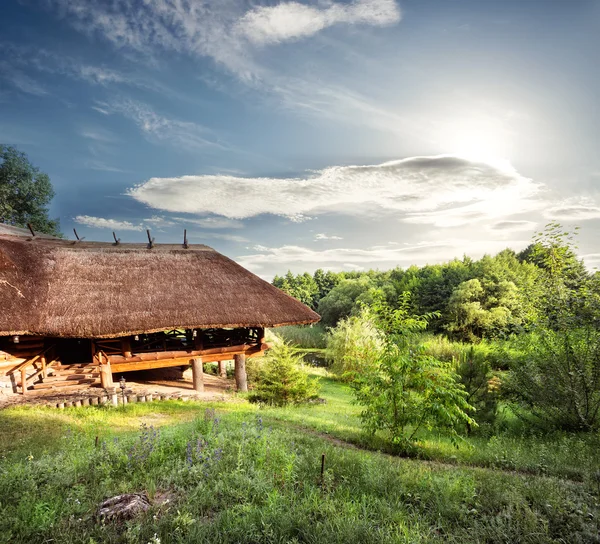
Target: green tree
(25,193)
(281,379)
(408,391)
(340,302)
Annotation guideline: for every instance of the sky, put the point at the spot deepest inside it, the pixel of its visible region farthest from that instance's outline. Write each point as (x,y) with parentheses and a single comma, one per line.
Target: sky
(344,135)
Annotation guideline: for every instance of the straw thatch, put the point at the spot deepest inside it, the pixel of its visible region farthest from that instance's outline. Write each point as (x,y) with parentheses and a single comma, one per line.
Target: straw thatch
(60,288)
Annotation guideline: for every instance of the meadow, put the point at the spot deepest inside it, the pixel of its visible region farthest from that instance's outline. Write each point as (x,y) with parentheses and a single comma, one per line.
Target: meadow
(237,472)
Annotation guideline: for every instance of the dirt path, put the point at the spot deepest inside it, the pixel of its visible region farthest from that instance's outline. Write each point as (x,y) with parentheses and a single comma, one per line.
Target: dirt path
(433,463)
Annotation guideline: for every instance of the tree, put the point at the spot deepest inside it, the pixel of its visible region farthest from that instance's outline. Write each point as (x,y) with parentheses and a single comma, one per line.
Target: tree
(281,380)
(25,193)
(407,390)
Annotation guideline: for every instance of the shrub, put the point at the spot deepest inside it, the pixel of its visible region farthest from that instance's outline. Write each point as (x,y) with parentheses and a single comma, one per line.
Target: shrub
(281,379)
(409,390)
(480,385)
(557,383)
(354,344)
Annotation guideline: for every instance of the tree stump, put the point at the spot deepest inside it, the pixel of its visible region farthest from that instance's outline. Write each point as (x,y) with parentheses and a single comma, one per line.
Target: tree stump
(123,507)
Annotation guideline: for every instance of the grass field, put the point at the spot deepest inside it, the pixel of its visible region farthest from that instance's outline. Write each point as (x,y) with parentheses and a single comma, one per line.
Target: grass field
(233,472)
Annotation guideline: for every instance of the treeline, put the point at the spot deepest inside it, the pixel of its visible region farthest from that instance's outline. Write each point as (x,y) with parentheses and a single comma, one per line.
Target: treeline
(492,297)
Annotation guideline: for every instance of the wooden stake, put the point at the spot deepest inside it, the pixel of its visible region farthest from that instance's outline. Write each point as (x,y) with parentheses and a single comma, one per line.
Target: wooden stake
(31,229)
(241,378)
(117,240)
(322,468)
(222,369)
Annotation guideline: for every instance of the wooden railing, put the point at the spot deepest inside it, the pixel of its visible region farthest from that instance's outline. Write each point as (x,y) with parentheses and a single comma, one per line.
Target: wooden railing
(22,368)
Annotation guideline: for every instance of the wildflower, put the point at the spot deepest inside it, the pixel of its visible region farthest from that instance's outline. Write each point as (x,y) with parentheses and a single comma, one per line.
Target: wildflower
(30,457)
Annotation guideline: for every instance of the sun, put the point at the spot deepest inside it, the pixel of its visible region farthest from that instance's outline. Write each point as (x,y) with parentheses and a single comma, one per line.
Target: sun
(476,139)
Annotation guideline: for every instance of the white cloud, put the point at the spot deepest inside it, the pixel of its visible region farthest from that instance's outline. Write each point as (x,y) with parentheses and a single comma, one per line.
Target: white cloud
(158,222)
(211,222)
(290,256)
(439,190)
(322,236)
(158,128)
(513,226)
(226,237)
(286,21)
(574,209)
(102,223)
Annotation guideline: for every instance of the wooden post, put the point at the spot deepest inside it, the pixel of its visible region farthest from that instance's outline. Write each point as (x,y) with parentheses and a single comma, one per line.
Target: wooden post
(24,381)
(241,379)
(105,373)
(222,369)
(43,361)
(198,374)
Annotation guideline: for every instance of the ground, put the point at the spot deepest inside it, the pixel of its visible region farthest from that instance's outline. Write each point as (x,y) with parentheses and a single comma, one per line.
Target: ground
(141,382)
(236,472)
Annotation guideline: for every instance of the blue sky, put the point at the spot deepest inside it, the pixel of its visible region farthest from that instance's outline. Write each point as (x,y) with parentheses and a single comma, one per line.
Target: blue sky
(296,135)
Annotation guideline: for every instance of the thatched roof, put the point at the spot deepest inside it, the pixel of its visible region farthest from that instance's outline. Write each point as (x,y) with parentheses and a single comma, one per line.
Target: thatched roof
(53,287)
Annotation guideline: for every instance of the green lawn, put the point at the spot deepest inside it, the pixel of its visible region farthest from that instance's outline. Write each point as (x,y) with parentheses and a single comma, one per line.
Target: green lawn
(233,472)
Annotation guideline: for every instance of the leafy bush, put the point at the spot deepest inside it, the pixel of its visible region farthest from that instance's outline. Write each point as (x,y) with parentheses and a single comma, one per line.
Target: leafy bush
(557,383)
(354,344)
(281,379)
(409,390)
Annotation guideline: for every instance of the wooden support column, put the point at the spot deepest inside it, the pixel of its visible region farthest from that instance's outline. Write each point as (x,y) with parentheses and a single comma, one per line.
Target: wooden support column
(222,369)
(198,374)
(241,379)
(105,373)
(24,381)
(43,362)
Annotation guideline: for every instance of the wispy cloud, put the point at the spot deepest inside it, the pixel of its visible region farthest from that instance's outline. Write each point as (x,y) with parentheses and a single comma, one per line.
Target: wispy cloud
(439,190)
(291,256)
(211,222)
(20,80)
(159,128)
(103,223)
(574,209)
(286,21)
(322,236)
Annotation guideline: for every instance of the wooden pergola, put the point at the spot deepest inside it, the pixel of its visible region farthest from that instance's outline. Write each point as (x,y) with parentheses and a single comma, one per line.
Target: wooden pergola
(77,312)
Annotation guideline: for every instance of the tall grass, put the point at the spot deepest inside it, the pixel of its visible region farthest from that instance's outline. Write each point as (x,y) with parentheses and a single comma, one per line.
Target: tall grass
(232,473)
(302,336)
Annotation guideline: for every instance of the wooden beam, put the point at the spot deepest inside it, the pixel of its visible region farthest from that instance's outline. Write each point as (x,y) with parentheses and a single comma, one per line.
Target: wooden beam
(198,374)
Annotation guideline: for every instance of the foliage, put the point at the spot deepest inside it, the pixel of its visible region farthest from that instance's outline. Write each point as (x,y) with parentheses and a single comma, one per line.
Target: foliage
(557,381)
(282,380)
(481,386)
(354,344)
(25,193)
(409,390)
(302,336)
